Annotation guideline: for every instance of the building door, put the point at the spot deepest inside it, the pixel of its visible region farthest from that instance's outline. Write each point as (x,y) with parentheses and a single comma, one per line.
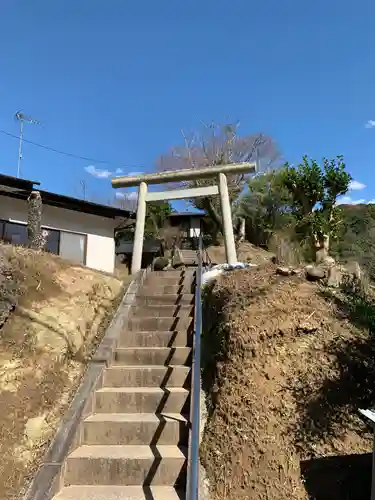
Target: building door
(73,247)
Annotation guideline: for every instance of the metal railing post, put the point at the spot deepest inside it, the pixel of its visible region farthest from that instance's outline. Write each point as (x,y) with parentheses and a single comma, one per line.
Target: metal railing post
(193,459)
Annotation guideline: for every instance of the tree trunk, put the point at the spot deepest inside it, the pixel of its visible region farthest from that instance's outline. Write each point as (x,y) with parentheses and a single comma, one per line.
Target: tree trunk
(242,231)
(34,221)
(211,211)
(321,247)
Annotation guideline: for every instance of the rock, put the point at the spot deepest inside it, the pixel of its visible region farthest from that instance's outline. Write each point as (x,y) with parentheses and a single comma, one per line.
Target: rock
(35,428)
(284,271)
(297,271)
(335,277)
(314,273)
(357,273)
(177,259)
(353,268)
(329,261)
(160,263)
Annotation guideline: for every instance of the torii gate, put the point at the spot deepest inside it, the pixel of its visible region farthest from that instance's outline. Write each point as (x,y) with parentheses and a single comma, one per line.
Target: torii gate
(183,175)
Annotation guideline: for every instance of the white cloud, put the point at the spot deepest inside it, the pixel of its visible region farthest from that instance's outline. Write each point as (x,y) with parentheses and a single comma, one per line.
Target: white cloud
(97,172)
(131,174)
(120,171)
(348,200)
(120,196)
(105,174)
(131,196)
(356,186)
(370,124)
(371,202)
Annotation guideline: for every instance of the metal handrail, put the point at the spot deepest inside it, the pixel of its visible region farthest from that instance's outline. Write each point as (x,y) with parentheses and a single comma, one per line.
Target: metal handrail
(206,259)
(195,417)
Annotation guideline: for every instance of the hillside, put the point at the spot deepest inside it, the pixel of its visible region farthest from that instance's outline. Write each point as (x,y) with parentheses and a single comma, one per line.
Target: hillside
(357,237)
(61,312)
(287,364)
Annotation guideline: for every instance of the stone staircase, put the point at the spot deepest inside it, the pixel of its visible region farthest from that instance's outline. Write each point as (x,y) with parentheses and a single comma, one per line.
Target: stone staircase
(190,257)
(134,444)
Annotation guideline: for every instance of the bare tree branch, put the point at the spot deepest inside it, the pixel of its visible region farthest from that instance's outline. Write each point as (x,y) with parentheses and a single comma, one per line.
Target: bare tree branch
(218,145)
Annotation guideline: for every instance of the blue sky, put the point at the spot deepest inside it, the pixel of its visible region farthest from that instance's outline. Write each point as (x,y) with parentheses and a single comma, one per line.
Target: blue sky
(117,81)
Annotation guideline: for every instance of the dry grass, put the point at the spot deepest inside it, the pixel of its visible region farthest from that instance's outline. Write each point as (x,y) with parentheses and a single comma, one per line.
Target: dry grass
(287,366)
(286,251)
(44,346)
(245,253)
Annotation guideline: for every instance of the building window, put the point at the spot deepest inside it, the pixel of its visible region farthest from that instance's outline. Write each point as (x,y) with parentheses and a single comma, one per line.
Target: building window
(16,234)
(13,233)
(52,240)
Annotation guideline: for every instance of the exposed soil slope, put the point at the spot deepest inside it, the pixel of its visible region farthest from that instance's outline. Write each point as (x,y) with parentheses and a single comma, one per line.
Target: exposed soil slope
(45,343)
(287,368)
(246,252)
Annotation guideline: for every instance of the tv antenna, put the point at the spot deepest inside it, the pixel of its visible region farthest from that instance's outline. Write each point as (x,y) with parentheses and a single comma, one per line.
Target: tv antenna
(83,186)
(22,119)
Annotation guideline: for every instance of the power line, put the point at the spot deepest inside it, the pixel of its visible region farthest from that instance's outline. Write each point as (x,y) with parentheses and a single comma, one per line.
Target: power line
(71,155)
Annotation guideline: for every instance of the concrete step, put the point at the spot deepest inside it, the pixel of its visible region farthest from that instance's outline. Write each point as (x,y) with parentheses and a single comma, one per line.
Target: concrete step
(155,339)
(162,310)
(189,253)
(169,280)
(141,400)
(152,356)
(125,465)
(149,324)
(146,376)
(119,493)
(166,299)
(135,428)
(160,289)
(171,273)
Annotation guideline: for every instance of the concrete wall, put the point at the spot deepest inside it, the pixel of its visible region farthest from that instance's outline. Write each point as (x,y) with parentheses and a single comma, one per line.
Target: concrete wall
(99,231)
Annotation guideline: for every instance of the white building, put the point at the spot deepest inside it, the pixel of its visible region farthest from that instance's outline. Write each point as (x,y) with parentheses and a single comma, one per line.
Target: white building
(77,230)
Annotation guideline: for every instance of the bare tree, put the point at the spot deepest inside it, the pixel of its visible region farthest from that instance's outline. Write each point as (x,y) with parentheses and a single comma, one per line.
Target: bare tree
(220,145)
(125,200)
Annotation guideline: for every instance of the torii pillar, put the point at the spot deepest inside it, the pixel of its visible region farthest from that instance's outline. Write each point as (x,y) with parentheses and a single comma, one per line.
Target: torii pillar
(172,176)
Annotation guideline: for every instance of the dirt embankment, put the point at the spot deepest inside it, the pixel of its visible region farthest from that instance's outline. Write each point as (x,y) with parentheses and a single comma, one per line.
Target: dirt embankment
(246,252)
(287,365)
(45,343)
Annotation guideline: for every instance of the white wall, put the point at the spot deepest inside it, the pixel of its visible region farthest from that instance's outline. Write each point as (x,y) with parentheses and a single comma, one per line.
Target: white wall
(102,252)
(195,226)
(99,230)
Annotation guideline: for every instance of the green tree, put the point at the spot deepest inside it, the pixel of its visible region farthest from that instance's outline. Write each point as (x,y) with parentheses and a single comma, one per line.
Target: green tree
(266,207)
(356,241)
(157,213)
(314,190)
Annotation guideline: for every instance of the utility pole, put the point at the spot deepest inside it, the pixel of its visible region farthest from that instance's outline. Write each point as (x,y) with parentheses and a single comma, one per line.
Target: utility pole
(22,119)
